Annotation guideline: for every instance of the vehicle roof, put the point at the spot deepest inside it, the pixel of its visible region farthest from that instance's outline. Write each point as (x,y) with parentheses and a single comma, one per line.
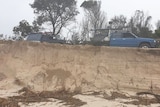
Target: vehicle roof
(34,37)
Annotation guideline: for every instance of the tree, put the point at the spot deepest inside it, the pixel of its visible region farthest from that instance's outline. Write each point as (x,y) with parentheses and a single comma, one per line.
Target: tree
(94,17)
(157,31)
(1,36)
(85,29)
(35,26)
(57,13)
(140,24)
(23,28)
(158,24)
(119,22)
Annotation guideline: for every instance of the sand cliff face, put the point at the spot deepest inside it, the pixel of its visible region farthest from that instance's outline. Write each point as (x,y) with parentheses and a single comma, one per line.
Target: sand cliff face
(44,67)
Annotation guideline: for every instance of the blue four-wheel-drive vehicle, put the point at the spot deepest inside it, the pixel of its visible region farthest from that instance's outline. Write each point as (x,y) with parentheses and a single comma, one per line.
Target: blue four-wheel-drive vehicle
(122,38)
(128,39)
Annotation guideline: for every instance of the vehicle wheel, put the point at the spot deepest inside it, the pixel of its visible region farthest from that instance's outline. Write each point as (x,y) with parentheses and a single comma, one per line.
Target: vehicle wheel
(145,45)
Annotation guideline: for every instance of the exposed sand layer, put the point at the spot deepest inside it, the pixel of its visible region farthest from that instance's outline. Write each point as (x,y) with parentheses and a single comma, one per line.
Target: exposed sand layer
(52,67)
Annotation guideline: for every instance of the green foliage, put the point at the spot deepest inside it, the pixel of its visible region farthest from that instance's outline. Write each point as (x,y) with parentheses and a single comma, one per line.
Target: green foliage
(35,26)
(157,33)
(89,4)
(23,28)
(57,13)
(119,22)
(140,24)
(145,32)
(158,24)
(94,18)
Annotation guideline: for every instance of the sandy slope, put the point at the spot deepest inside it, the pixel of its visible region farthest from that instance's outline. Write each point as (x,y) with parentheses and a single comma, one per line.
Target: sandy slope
(51,67)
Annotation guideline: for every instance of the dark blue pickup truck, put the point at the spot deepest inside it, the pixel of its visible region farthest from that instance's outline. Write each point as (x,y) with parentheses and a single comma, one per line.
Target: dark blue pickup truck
(128,39)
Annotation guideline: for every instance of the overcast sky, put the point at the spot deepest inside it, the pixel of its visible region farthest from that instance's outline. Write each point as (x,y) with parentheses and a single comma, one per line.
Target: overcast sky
(13,11)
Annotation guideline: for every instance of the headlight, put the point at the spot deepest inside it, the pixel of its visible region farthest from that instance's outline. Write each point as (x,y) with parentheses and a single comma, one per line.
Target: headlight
(155,41)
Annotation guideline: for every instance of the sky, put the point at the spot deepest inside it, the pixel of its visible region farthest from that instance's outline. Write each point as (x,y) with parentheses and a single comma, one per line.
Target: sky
(13,11)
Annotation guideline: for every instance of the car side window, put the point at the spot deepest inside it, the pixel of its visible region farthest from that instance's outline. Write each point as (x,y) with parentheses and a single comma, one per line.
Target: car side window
(128,35)
(116,35)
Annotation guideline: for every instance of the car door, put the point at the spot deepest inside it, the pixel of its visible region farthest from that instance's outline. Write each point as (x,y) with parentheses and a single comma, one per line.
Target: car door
(129,40)
(116,39)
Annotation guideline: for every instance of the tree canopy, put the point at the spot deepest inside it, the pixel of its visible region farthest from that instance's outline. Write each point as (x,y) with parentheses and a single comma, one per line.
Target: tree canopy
(119,22)
(58,13)
(94,17)
(23,28)
(157,30)
(140,24)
